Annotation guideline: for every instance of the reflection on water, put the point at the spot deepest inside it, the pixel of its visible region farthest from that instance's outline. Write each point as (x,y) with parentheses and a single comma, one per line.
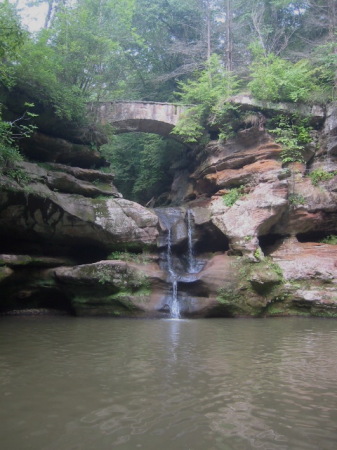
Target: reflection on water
(69,383)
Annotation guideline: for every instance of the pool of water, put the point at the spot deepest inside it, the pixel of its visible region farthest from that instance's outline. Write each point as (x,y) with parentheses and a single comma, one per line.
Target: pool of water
(75,383)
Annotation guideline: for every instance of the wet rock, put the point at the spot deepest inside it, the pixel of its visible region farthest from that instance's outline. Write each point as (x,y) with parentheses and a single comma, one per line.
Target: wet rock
(37,261)
(173,220)
(113,287)
(5,272)
(30,287)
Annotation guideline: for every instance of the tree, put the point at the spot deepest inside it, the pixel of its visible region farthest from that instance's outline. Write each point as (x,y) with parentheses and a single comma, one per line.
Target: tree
(141,164)
(11,39)
(208,92)
(53,7)
(276,79)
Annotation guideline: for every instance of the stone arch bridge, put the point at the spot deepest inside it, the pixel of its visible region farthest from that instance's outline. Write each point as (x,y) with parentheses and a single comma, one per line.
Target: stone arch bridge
(129,116)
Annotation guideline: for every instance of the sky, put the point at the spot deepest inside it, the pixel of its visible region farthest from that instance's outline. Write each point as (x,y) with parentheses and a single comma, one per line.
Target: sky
(32,17)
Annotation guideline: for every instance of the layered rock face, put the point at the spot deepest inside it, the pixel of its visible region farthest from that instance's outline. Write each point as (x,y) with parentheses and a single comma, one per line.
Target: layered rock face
(70,242)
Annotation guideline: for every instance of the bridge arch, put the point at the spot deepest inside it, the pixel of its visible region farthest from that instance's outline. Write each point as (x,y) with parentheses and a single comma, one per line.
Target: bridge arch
(138,116)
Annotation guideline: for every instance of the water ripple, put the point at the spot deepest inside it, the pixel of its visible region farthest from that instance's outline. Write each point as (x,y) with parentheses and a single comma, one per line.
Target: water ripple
(211,384)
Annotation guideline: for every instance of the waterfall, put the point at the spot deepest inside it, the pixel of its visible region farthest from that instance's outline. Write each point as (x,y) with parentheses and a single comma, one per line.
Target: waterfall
(191,268)
(174,303)
(178,229)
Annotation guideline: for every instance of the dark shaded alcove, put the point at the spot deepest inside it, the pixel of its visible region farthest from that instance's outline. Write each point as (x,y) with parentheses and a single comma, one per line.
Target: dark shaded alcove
(314,236)
(270,242)
(210,239)
(81,251)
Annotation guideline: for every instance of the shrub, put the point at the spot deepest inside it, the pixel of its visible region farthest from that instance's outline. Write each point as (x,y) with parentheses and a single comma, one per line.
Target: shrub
(276,79)
(332,239)
(293,134)
(296,199)
(232,196)
(320,175)
(207,94)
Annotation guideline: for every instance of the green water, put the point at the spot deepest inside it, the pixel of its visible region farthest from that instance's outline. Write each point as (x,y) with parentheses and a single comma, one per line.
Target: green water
(69,383)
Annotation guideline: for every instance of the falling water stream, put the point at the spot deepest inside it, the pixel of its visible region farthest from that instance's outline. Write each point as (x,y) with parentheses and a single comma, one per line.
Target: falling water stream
(190,254)
(174,272)
(174,303)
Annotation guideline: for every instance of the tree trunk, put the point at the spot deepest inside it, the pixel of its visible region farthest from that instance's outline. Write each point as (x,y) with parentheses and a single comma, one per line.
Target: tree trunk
(229,40)
(47,21)
(208,31)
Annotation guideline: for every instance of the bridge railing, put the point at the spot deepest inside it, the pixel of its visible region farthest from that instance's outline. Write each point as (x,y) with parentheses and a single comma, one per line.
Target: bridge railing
(93,103)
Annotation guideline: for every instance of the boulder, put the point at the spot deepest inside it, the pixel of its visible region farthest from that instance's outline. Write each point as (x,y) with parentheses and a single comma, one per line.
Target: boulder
(36,261)
(248,174)
(252,215)
(35,213)
(310,279)
(83,174)
(113,287)
(47,148)
(311,208)
(71,180)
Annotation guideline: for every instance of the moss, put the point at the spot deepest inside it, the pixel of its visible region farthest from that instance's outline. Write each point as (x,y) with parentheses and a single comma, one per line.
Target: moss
(262,276)
(239,302)
(139,258)
(119,304)
(326,311)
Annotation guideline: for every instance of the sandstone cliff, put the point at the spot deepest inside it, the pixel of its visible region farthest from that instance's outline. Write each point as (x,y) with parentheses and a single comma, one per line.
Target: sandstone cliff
(70,242)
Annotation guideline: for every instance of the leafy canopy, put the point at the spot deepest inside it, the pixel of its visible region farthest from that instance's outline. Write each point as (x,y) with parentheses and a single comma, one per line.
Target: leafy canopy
(208,91)
(276,79)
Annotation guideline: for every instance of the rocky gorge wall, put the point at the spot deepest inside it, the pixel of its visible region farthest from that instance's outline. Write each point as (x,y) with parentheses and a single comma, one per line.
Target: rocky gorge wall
(70,242)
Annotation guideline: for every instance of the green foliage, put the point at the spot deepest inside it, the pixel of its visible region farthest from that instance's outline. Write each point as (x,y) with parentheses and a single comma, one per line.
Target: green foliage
(324,58)
(189,125)
(139,258)
(10,156)
(228,297)
(208,91)
(275,267)
(104,275)
(293,134)
(319,175)
(258,254)
(233,195)
(11,39)
(276,79)
(44,81)
(141,164)
(296,199)
(332,240)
